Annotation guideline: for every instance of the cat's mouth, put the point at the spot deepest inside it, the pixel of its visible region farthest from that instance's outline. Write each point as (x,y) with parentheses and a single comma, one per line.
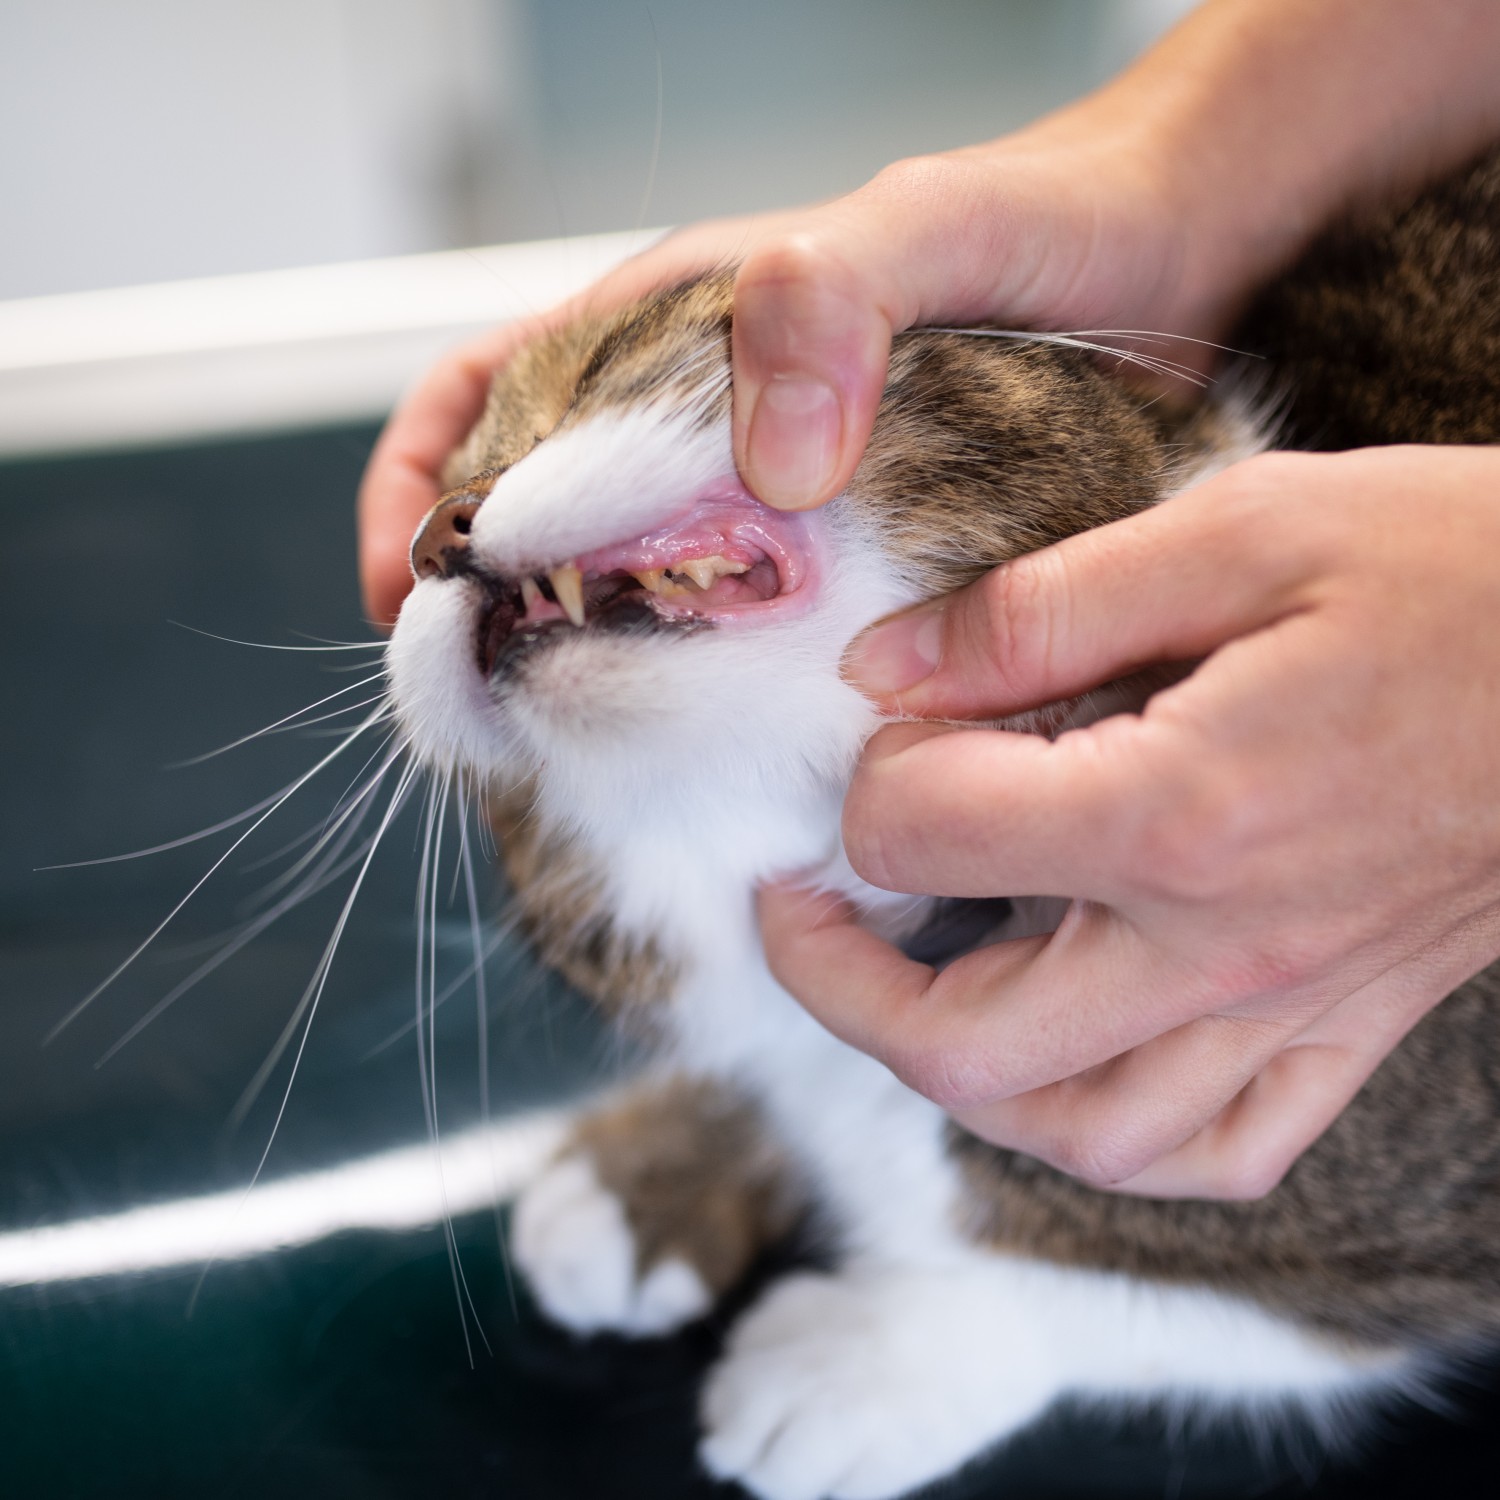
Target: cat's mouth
(726,561)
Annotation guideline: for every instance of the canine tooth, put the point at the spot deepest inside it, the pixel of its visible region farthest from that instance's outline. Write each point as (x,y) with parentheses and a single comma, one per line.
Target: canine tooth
(531,595)
(567,584)
(650,579)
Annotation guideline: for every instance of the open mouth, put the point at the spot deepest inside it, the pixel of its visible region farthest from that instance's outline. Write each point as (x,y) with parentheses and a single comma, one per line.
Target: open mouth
(727,559)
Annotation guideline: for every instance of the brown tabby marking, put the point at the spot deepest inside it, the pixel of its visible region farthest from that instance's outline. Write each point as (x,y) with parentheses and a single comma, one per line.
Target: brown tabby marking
(696,1175)
(560,903)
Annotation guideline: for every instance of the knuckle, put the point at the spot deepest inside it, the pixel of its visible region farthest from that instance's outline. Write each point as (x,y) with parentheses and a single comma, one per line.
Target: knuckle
(921,182)
(1258,971)
(1015,634)
(795,257)
(1101,1154)
(941,1074)
(1249,1172)
(869,806)
(1201,837)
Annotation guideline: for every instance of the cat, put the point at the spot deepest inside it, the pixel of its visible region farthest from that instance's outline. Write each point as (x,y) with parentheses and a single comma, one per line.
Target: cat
(641,663)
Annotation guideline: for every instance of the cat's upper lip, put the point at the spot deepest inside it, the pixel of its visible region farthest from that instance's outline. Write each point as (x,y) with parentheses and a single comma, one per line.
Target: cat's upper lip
(726,558)
(726,553)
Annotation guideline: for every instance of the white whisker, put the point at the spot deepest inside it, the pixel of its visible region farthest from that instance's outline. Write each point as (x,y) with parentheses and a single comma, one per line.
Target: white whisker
(342,811)
(198,884)
(245,739)
(230,640)
(1154,363)
(309,1002)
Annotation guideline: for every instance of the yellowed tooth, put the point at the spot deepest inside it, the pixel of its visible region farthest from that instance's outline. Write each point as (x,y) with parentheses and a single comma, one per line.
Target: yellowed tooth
(531,595)
(650,578)
(567,584)
(704,570)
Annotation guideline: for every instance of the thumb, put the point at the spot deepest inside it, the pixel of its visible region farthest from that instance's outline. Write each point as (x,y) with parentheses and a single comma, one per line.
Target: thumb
(816,304)
(1168,585)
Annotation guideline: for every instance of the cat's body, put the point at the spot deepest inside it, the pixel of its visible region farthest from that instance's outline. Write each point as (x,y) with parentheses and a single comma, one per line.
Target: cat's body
(694,738)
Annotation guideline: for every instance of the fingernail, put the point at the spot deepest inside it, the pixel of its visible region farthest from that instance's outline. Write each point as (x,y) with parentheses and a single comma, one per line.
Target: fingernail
(895,656)
(792,448)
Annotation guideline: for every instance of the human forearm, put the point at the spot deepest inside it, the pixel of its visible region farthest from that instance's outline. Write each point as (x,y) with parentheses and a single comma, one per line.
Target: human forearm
(1265,119)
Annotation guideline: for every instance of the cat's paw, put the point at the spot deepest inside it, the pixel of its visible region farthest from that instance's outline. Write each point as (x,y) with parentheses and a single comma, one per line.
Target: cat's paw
(573,1242)
(860,1387)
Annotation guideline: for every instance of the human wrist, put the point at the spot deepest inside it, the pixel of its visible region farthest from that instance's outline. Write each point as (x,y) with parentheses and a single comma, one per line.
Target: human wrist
(1250,140)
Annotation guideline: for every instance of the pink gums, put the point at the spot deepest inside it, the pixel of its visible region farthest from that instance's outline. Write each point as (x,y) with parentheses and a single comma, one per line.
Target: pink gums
(727,521)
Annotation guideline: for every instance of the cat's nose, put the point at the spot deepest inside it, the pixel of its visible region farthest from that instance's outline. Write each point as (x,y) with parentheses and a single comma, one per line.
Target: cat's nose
(444,538)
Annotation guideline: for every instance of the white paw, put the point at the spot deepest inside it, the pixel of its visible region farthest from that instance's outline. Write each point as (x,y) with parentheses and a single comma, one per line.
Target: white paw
(862,1386)
(572,1241)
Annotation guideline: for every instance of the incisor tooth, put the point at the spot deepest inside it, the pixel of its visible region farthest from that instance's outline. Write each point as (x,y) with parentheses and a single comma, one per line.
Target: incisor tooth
(567,584)
(531,595)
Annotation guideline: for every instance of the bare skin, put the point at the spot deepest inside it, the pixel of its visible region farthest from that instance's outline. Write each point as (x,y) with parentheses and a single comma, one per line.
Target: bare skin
(1280,866)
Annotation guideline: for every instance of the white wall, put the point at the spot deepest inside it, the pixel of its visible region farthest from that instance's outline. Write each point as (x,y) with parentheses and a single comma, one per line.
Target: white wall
(147,140)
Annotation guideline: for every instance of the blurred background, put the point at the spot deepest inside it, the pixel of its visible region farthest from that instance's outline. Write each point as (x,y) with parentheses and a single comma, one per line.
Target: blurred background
(233,230)
(168,138)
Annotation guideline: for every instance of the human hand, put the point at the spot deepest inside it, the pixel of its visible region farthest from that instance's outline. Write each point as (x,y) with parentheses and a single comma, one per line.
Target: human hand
(1010,226)
(1275,869)
(1154,204)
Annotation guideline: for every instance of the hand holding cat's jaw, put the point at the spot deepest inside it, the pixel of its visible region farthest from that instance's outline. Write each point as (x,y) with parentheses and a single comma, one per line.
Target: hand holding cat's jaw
(1259,915)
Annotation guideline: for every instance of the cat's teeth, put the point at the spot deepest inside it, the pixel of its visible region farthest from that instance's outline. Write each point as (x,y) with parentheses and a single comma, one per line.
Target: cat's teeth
(701,570)
(704,570)
(567,584)
(531,595)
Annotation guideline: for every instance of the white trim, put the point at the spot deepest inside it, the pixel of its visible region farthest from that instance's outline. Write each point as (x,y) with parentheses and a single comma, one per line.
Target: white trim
(403,1189)
(277,349)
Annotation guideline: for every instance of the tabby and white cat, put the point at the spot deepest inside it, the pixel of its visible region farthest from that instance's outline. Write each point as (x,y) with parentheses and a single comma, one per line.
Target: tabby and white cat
(643,665)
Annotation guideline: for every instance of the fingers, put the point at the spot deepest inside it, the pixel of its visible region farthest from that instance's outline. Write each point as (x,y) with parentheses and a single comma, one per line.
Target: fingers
(1245,1148)
(401,483)
(981,812)
(1170,584)
(928,240)
(1004,1020)
(1084,1069)
(1122,1123)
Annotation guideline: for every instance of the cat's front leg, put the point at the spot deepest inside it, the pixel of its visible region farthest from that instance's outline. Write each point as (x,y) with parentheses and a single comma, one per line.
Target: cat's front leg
(870,1381)
(655,1206)
(873,1380)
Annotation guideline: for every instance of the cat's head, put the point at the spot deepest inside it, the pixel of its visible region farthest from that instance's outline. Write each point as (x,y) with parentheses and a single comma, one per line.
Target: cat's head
(599,596)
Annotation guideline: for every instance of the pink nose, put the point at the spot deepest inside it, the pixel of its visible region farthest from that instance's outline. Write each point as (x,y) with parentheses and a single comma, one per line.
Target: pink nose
(444,538)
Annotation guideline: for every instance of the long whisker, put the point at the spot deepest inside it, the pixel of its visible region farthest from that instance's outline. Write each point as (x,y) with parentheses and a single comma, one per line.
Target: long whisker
(198,884)
(427,884)
(448,991)
(308,1004)
(287,719)
(1155,363)
(333,867)
(251,931)
(230,640)
(319,828)
(482,1020)
(340,813)
(1156,335)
